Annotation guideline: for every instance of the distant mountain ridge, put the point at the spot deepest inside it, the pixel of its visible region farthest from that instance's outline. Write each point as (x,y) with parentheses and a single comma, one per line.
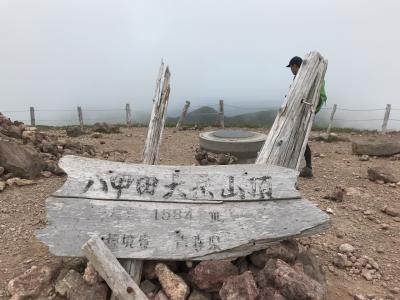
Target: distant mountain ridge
(207,116)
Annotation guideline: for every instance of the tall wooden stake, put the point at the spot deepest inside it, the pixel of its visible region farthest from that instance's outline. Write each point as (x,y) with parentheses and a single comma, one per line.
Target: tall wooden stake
(128,115)
(32,111)
(152,147)
(221,114)
(386,118)
(288,136)
(331,119)
(80,116)
(183,115)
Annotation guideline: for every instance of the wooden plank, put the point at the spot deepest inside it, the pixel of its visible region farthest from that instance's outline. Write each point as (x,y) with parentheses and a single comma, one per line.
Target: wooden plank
(386,118)
(288,136)
(181,231)
(183,115)
(101,179)
(123,287)
(331,118)
(32,112)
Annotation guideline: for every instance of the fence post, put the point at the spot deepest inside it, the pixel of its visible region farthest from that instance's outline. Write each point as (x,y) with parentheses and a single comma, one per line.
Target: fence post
(128,115)
(331,118)
(80,117)
(183,115)
(33,121)
(386,118)
(221,114)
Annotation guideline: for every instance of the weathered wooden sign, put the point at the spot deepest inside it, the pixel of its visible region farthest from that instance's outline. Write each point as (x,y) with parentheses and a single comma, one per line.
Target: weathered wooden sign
(98,179)
(167,212)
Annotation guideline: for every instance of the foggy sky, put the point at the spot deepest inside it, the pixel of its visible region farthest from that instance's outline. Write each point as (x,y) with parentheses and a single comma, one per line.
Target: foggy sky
(57,54)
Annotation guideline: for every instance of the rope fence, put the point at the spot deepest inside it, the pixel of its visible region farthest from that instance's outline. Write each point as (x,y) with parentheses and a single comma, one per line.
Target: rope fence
(86,116)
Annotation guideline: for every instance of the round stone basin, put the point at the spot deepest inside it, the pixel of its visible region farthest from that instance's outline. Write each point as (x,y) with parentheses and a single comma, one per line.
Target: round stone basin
(241,143)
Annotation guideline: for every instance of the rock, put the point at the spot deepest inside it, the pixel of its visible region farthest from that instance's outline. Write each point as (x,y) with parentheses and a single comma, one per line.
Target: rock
(296,285)
(97,135)
(384,226)
(199,295)
(270,293)
(2,186)
(34,282)
(173,285)
(376,146)
(19,182)
(148,270)
(336,195)
(74,287)
(105,128)
(13,131)
(210,275)
(21,160)
(48,147)
(359,297)
(258,258)
(1,171)
(340,260)
(329,210)
(379,173)
(286,250)
(46,174)
(312,267)
(367,274)
(241,287)
(364,157)
(74,131)
(53,167)
(391,211)
(91,276)
(148,287)
(346,248)
(161,296)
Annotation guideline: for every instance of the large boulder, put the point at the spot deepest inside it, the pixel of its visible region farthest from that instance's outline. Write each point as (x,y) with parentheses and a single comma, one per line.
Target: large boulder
(21,160)
(377,146)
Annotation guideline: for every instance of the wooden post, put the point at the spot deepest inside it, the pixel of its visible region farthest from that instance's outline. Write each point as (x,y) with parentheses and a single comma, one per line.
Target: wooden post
(128,115)
(221,114)
(183,115)
(386,118)
(80,116)
(33,121)
(328,131)
(123,287)
(287,139)
(152,148)
(157,119)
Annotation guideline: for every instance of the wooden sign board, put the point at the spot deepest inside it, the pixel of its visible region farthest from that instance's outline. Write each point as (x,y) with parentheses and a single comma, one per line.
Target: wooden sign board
(171,212)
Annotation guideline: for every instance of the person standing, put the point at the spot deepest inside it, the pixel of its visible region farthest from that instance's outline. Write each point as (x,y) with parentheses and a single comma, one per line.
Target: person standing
(294,65)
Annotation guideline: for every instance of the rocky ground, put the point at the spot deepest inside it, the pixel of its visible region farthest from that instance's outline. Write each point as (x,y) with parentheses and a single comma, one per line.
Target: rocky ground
(360,252)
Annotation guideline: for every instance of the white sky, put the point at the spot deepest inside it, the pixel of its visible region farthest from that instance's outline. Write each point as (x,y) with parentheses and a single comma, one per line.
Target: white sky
(103,54)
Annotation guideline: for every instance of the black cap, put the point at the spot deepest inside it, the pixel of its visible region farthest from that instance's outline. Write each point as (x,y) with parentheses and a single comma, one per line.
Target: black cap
(295,61)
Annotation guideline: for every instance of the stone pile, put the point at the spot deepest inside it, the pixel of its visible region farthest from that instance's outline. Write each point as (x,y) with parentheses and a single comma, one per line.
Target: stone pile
(350,259)
(26,153)
(285,271)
